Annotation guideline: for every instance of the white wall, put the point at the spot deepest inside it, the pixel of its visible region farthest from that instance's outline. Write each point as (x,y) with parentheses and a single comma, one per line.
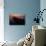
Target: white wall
(29,8)
(1,21)
(43,6)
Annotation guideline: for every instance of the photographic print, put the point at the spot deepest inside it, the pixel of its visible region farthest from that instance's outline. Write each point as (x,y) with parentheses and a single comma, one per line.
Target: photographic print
(16,19)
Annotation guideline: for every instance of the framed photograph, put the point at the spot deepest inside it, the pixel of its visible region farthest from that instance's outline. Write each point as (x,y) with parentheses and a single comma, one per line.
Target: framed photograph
(16,19)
